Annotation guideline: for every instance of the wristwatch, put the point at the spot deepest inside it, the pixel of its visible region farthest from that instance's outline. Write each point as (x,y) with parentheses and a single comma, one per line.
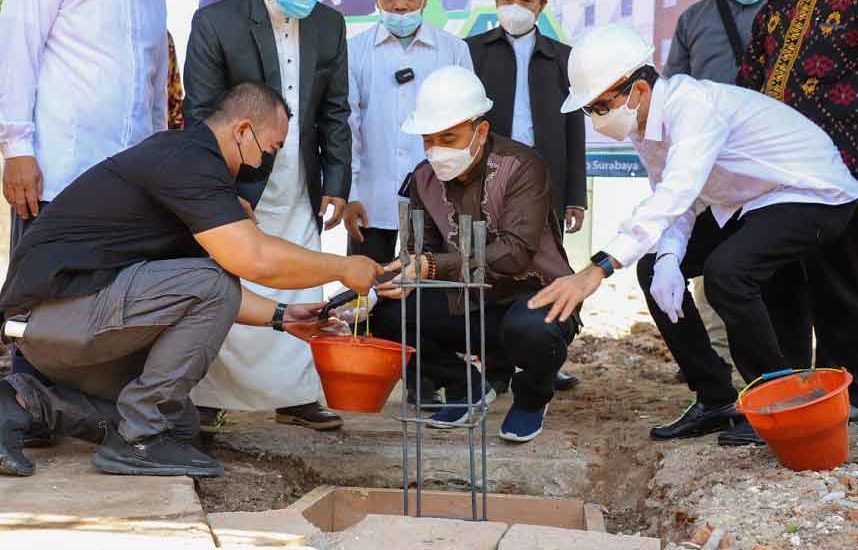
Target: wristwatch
(277,318)
(603,261)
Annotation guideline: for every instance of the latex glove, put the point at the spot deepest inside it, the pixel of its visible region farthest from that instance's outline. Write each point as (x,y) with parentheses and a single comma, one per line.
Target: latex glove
(668,287)
(349,314)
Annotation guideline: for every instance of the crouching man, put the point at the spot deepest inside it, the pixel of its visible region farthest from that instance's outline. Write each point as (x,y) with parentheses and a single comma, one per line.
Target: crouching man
(128,286)
(742,186)
(472,171)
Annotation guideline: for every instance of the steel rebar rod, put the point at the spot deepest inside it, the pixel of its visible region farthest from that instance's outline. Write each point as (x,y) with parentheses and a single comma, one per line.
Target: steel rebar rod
(480,278)
(417,220)
(403,258)
(465,250)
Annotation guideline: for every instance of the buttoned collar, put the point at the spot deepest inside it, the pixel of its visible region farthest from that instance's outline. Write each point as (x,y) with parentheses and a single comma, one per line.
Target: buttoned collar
(424,34)
(543,45)
(654,130)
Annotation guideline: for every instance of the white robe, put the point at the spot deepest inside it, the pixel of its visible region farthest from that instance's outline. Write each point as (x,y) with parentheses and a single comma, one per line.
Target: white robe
(259,368)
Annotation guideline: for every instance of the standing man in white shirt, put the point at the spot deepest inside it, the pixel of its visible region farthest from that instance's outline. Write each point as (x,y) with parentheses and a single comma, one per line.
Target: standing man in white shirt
(387,64)
(80,80)
(524,73)
(742,185)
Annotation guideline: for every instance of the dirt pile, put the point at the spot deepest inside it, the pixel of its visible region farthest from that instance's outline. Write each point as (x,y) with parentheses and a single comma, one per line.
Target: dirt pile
(759,504)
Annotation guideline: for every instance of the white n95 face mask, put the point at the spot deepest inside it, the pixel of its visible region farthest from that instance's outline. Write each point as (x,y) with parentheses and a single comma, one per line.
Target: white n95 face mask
(516,20)
(617,123)
(449,163)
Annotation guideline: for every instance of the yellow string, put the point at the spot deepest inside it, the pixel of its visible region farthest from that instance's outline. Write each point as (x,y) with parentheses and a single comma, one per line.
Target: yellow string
(367,316)
(357,311)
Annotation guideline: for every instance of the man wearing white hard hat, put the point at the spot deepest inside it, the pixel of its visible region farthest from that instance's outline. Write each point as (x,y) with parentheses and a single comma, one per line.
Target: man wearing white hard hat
(473,171)
(742,185)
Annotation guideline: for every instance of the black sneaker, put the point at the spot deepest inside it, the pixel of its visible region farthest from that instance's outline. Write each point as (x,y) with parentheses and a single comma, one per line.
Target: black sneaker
(697,420)
(14,423)
(739,435)
(212,420)
(158,455)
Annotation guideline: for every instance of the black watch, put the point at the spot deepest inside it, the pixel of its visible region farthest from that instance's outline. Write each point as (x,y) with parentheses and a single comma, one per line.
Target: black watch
(603,261)
(277,318)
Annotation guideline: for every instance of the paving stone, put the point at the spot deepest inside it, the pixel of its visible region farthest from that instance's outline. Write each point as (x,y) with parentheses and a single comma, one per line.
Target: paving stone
(528,537)
(377,532)
(70,505)
(258,529)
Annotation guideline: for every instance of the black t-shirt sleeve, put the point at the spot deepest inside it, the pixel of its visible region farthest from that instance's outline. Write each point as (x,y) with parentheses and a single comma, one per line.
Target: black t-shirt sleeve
(201,194)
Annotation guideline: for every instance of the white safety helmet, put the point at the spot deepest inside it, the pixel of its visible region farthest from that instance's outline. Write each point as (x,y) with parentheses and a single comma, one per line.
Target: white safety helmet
(600,58)
(448,97)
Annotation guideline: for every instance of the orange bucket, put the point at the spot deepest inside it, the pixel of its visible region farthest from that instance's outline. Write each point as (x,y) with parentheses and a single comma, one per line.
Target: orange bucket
(358,373)
(803,416)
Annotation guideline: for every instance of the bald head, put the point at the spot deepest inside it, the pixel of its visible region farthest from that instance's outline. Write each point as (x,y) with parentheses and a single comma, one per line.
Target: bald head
(250,119)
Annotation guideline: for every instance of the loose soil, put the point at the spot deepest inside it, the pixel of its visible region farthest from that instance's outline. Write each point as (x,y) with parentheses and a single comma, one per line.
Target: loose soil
(671,490)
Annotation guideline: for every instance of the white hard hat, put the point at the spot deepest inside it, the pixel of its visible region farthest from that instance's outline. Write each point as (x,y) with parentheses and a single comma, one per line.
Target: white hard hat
(449,96)
(600,58)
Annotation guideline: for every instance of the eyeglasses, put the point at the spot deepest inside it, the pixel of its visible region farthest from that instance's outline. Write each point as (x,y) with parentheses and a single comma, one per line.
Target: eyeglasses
(601,108)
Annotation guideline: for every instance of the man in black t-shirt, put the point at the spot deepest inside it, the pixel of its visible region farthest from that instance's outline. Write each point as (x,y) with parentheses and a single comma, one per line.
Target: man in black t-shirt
(128,286)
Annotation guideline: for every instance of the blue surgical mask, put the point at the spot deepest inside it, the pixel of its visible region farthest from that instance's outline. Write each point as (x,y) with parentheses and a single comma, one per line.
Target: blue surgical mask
(402,25)
(747,2)
(299,9)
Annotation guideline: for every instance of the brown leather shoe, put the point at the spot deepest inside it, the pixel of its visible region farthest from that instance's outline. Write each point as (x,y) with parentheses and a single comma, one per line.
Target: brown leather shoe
(311,415)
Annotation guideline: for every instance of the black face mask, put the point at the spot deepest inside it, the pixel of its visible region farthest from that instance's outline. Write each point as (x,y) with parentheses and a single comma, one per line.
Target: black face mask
(253,174)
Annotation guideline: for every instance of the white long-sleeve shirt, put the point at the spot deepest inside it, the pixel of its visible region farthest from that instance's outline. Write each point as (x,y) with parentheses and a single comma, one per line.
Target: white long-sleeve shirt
(381,154)
(79,81)
(728,148)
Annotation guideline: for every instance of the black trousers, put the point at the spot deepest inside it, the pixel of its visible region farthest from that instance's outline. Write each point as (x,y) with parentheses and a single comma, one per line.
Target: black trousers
(378,244)
(821,295)
(537,348)
(736,261)
(20,364)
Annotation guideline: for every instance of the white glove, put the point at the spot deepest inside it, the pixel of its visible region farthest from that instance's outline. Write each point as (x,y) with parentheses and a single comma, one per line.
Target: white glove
(349,312)
(669,286)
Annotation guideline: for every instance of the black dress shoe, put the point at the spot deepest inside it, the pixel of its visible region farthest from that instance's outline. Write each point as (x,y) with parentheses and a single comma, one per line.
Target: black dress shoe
(697,420)
(563,381)
(14,423)
(312,415)
(740,434)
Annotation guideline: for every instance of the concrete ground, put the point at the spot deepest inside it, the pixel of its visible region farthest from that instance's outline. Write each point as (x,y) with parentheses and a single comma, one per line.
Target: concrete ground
(69,505)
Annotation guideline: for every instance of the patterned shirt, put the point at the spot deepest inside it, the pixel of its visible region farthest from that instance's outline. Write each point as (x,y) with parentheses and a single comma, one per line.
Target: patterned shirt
(805,53)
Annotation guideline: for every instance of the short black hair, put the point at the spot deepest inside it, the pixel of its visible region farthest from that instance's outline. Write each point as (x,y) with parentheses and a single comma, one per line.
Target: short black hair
(647,73)
(253,100)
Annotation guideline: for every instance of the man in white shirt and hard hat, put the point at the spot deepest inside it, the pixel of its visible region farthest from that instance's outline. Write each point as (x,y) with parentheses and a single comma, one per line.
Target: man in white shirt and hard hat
(470,170)
(742,185)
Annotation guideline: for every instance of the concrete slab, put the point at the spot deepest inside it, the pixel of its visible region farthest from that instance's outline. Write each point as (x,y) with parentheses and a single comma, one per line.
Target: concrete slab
(260,529)
(367,452)
(529,537)
(402,533)
(68,504)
